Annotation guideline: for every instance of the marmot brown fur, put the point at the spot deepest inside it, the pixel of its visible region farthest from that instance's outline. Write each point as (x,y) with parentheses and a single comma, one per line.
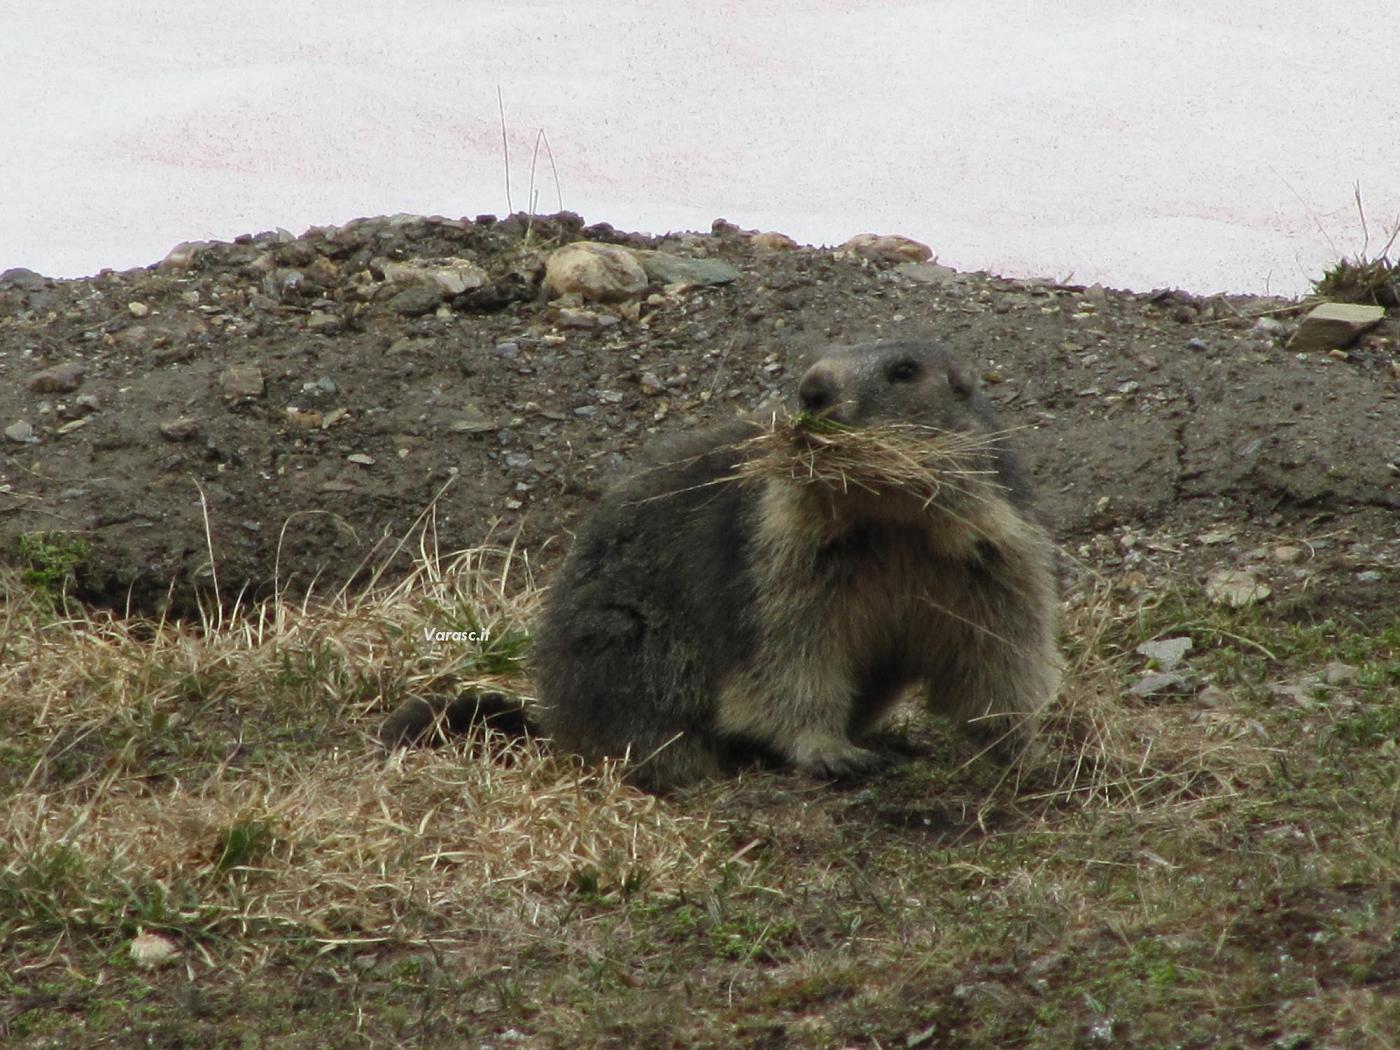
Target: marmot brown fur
(703,615)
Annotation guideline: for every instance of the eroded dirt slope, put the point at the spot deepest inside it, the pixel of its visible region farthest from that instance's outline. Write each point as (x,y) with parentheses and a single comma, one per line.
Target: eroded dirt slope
(294,403)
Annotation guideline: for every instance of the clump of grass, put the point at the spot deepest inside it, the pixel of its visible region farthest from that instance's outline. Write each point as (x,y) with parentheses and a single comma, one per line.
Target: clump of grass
(923,461)
(1369,279)
(52,560)
(252,809)
(1097,746)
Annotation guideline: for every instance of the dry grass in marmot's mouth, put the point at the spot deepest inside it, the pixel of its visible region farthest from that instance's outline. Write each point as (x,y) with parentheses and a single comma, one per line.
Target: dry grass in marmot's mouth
(906,457)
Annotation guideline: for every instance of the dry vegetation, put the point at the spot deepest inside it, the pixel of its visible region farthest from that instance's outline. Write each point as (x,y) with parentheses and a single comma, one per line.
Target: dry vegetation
(1163,872)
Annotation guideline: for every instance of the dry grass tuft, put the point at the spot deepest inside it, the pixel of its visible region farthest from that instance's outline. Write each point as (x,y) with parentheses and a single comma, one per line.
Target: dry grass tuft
(925,461)
(1102,747)
(218,781)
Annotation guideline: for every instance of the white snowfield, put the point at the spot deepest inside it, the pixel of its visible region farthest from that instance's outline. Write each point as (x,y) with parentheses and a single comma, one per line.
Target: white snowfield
(1199,144)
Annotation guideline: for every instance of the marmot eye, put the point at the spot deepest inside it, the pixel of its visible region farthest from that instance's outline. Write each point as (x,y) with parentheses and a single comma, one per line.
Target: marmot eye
(903,372)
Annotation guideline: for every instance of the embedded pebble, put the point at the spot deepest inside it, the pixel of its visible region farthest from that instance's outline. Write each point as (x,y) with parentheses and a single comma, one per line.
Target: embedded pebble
(1168,652)
(21,432)
(60,379)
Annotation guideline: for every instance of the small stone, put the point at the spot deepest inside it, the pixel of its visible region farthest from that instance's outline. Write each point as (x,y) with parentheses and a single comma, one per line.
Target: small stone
(1196,344)
(595,272)
(74,424)
(517,460)
(664,268)
(772,241)
(323,321)
(1333,326)
(451,276)
(1288,555)
(1235,588)
(926,272)
(888,248)
(23,279)
(137,309)
(574,317)
(1168,652)
(1269,326)
(242,381)
(183,255)
(416,300)
(361,459)
(1338,673)
(1157,683)
(21,432)
(181,429)
(1217,537)
(586,411)
(651,385)
(151,949)
(306,419)
(60,379)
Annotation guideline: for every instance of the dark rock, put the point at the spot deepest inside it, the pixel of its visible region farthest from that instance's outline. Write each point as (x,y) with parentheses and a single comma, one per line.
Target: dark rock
(416,300)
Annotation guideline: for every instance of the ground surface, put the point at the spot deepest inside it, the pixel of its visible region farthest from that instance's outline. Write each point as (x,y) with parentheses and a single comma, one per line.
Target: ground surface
(286,407)
(1144,412)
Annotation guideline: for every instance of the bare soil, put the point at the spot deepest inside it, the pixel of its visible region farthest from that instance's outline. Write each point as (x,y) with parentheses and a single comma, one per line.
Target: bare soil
(1158,414)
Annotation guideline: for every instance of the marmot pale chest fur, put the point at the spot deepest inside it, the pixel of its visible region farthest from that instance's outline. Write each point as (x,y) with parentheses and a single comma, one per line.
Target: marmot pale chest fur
(699,617)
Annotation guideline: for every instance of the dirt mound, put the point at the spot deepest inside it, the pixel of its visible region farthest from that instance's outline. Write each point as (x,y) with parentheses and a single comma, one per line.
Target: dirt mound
(279,410)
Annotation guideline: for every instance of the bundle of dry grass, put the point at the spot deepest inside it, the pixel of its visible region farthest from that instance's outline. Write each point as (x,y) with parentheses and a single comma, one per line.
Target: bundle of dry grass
(932,464)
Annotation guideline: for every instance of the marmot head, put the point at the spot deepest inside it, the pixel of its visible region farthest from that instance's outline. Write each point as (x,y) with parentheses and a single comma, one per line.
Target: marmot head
(894,381)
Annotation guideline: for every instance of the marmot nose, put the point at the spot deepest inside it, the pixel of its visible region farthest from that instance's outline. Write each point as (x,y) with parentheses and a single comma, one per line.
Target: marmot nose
(817,391)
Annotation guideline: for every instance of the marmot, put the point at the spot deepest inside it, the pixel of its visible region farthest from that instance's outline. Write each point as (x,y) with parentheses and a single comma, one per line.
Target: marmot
(703,615)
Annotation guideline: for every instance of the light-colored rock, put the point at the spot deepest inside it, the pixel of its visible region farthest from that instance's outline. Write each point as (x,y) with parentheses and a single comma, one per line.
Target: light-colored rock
(137,309)
(453,276)
(60,379)
(1235,588)
(304,418)
(1158,683)
(241,381)
(888,248)
(576,317)
(1333,326)
(181,429)
(183,255)
(1168,652)
(1338,673)
(926,272)
(21,432)
(595,272)
(772,241)
(323,321)
(150,950)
